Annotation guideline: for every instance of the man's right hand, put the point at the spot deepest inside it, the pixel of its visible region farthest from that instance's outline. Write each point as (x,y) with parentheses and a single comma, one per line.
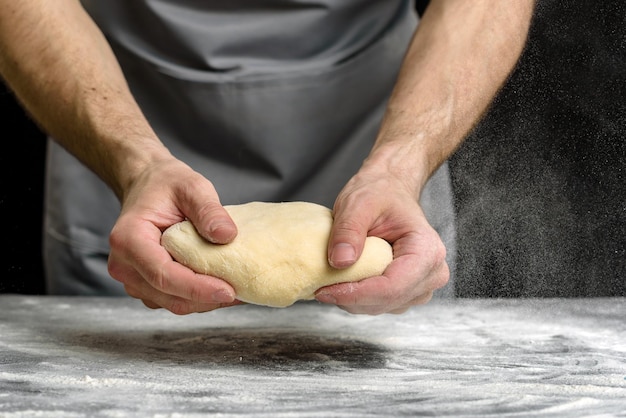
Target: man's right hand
(163,194)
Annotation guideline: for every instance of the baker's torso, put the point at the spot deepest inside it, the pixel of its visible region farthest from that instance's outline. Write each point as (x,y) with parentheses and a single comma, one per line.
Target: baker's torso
(271,100)
(245,37)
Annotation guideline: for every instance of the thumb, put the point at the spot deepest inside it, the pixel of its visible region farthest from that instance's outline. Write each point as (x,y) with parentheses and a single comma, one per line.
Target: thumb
(215,224)
(206,213)
(347,238)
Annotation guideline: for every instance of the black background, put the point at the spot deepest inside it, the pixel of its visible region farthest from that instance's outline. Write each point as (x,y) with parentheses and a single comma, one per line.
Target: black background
(539,183)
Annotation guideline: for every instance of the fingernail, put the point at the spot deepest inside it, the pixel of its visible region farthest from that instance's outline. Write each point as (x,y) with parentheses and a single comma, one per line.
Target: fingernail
(221,232)
(222,296)
(342,255)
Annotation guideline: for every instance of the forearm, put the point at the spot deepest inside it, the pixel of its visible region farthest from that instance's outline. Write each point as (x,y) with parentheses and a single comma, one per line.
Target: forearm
(460,56)
(63,71)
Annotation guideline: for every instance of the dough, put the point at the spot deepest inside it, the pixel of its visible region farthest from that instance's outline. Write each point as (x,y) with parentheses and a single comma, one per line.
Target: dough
(279,254)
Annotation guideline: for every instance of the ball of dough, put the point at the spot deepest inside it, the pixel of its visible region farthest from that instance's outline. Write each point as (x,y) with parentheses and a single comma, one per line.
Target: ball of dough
(279,255)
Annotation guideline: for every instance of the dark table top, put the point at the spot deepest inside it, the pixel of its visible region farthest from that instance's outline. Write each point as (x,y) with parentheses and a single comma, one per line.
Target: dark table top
(112,357)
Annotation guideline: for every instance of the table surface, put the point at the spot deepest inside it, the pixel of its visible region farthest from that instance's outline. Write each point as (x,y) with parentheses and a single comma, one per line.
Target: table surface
(112,357)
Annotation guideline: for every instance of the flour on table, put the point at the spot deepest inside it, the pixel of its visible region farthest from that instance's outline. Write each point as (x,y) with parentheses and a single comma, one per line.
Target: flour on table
(279,255)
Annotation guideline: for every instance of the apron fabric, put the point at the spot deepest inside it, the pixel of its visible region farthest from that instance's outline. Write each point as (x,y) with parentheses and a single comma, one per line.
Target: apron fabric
(281,102)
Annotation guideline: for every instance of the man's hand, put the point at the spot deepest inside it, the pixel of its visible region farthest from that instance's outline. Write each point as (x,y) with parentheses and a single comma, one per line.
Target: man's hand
(382,206)
(460,56)
(166,193)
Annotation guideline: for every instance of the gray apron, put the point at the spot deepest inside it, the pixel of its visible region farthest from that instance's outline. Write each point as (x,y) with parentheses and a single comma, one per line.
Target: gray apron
(279,102)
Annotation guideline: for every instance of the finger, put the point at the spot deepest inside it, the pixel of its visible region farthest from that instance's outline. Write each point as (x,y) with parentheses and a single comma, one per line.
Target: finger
(400,311)
(369,294)
(161,272)
(395,288)
(347,236)
(378,310)
(420,300)
(134,293)
(156,300)
(177,280)
(386,309)
(214,223)
(201,205)
(150,304)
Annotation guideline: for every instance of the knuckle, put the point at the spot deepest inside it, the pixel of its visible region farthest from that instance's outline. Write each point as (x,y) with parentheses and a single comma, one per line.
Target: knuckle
(159,280)
(440,254)
(196,293)
(443,276)
(439,271)
(209,210)
(119,238)
(343,225)
(178,306)
(115,238)
(149,304)
(115,270)
(132,292)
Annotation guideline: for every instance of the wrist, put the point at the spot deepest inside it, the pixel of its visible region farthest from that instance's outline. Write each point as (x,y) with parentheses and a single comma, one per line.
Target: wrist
(131,164)
(402,160)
